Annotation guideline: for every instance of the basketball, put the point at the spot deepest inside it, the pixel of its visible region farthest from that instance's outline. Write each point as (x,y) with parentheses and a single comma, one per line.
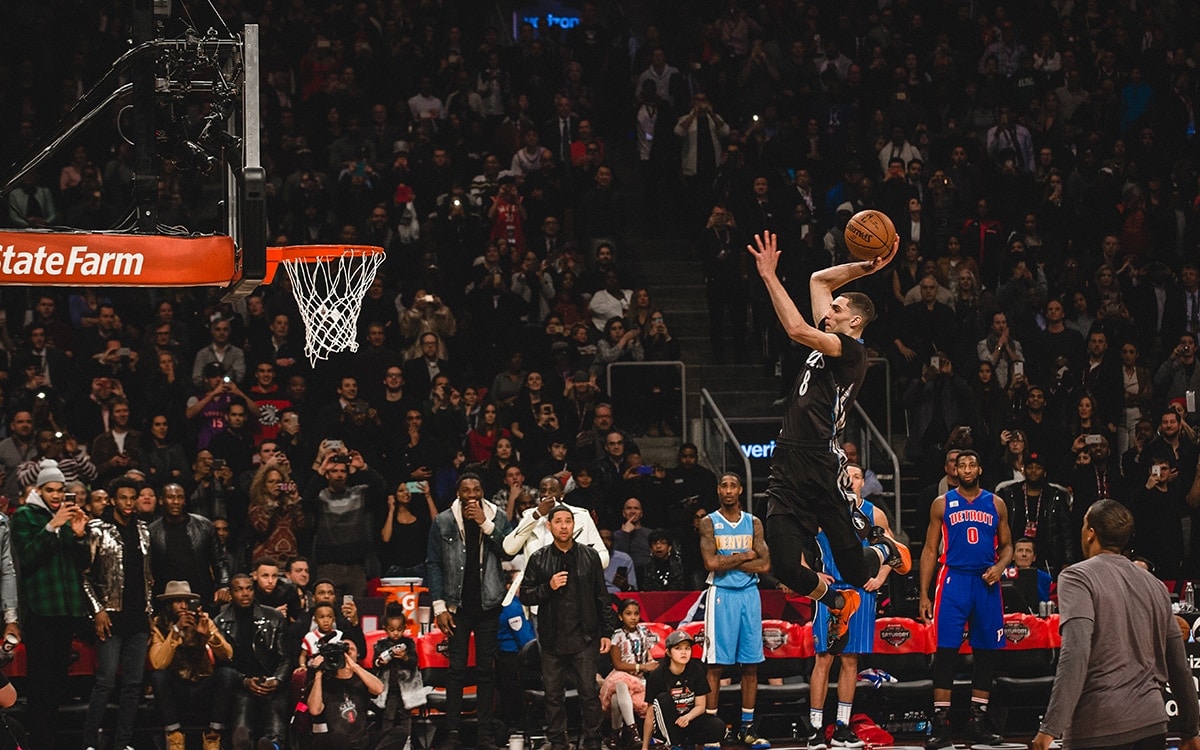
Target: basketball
(870,234)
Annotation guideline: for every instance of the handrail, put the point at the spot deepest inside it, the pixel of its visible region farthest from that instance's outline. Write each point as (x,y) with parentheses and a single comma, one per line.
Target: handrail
(876,436)
(887,392)
(729,439)
(683,426)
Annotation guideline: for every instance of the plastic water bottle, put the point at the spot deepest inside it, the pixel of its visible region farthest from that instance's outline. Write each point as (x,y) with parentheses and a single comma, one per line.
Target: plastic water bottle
(1189,595)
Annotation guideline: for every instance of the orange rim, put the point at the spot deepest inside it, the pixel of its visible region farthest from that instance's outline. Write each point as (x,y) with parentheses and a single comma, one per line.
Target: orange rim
(312,254)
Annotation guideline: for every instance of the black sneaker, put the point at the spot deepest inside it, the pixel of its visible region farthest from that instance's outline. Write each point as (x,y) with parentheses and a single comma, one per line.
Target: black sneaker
(979,729)
(844,736)
(817,740)
(452,742)
(898,558)
(941,738)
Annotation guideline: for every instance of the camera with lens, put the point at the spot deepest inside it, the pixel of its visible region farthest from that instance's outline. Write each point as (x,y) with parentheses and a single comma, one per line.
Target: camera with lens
(333,655)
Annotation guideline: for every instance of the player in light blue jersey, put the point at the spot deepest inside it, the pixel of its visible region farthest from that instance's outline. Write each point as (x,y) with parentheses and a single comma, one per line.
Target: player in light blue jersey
(735,553)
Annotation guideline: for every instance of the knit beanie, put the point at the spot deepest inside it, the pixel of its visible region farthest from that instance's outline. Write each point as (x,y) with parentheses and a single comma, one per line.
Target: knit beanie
(49,472)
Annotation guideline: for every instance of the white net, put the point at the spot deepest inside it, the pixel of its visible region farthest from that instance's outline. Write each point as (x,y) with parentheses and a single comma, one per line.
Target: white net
(330,292)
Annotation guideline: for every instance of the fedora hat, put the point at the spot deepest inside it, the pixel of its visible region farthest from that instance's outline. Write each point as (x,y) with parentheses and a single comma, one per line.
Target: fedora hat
(177,590)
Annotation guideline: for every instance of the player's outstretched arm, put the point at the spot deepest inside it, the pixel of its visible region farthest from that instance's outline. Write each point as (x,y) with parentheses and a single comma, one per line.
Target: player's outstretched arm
(823,283)
(929,554)
(765,252)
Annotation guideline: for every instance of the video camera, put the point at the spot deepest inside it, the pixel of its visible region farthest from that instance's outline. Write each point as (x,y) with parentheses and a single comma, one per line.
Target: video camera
(333,655)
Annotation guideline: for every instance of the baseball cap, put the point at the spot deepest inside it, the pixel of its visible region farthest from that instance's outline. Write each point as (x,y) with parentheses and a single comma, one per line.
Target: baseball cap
(678,637)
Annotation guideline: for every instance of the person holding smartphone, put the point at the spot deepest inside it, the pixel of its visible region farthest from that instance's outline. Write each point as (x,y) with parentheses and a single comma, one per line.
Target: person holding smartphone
(181,638)
(410,512)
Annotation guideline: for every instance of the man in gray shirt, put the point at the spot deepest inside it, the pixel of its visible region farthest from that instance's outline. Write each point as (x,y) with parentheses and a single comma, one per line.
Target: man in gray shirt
(1112,697)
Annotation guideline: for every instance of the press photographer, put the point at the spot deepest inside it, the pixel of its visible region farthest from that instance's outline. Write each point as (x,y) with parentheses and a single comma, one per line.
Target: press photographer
(342,685)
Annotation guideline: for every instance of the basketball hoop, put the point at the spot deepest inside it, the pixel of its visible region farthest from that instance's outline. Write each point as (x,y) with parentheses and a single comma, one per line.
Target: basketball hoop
(329,282)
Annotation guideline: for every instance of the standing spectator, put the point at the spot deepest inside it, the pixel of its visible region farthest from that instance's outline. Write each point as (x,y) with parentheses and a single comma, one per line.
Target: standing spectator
(120,448)
(467,597)
(117,581)
(63,449)
(690,487)
(1157,502)
(16,449)
(1107,600)
(210,408)
(532,531)
(219,350)
(253,688)
(1041,511)
(725,275)
(235,443)
(47,534)
(1000,349)
(276,514)
(701,131)
(566,581)
(731,543)
(405,531)
(181,639)
(1178,374)
(163,458)
(343,512)
(632,538)
(185,547)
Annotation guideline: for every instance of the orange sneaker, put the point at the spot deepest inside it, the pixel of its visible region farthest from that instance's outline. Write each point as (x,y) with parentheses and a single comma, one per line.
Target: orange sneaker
(839,622)
(898,556)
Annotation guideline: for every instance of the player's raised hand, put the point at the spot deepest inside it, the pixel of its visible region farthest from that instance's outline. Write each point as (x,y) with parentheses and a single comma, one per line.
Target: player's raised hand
(881,261)
(766,253)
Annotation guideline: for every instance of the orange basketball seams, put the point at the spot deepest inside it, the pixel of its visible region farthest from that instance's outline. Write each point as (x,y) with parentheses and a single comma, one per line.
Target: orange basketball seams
(869,234)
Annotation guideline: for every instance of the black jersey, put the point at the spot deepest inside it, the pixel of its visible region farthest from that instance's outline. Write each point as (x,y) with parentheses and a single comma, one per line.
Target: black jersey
(823,393)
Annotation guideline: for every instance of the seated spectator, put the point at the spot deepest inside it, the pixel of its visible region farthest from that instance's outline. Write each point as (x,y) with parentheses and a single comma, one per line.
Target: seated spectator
(208,410)
(184,644)
(1025,557)
(632,538)
(323,617)
(620,574)
(270,398)
(1001,349)
(664,570)
(253,687)
(339,703)
(268,592)
(609,302)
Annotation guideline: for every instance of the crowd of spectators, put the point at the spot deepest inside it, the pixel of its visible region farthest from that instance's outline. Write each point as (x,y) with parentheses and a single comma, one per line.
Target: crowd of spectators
(1044,310)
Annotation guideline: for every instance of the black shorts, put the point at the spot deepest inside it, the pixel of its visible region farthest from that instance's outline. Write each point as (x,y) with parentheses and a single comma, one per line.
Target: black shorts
(806,483)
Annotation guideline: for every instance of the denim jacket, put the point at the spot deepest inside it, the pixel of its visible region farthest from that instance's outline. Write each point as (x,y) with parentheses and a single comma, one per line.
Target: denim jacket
(447,554)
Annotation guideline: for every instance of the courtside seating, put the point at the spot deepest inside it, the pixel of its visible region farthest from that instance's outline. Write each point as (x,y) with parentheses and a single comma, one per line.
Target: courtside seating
(902,648)
(788,652)
(661,630)
(435,669)
(1024,672)
(533,694)
(371,638)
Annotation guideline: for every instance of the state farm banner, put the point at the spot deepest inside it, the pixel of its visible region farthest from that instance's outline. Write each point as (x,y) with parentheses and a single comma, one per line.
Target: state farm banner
(104,259)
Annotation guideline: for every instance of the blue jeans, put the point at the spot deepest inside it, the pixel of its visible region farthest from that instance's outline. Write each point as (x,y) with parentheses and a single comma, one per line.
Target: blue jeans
(128,652)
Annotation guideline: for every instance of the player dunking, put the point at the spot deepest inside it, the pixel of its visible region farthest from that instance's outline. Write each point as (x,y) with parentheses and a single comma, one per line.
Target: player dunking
(809,488)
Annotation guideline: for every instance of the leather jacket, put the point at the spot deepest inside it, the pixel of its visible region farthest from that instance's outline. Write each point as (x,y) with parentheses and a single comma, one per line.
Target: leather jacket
(1055,530)
(597,618)
(207,550)
(104,577)
(270,639)
(447,553)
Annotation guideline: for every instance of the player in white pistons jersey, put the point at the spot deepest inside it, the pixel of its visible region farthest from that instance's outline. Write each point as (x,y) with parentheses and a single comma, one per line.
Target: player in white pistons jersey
(734,552)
